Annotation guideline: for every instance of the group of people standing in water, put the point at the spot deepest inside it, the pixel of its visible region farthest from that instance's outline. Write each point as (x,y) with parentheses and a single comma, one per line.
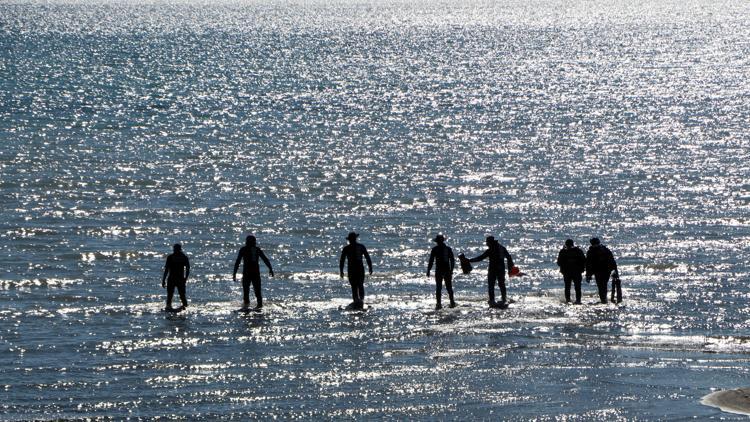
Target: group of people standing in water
(597,263)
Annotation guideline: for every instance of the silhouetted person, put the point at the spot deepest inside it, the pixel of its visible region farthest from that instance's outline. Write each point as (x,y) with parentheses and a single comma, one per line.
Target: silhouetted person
(496,270)
(176,272)
(600,263)
(353,253)
(442,256)
(572,263)
(250,254)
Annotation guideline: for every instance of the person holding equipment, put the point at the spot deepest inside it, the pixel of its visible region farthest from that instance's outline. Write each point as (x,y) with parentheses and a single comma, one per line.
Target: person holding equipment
(600,263)
(496,269)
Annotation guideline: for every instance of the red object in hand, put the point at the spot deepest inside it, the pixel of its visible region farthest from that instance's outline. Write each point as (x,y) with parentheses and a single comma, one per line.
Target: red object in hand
(515,272)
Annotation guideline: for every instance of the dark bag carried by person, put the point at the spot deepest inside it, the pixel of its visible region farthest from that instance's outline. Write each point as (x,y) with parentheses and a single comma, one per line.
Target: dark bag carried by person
(465,264)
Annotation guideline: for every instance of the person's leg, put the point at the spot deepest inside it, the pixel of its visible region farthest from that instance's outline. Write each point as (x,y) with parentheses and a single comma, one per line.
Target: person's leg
(170,293)
(618,286)
(245,291)
(491,287)
(257,291)
(183,294)
(577,282)
(501,281)
(448,278)
(361,288)
(601,285)
(438,289)
(567,279)
(357,281)
(355,291)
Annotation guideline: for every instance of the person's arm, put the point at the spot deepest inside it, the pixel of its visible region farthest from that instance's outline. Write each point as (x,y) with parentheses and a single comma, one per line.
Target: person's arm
(589,264)
(613,265)
(480,257)
(266,261)
(367,258)
(559,259)
(581,266)
(509,258)
(341,262)
(451,259)
(432,261)
(237,264)
(187,267)
(166,271)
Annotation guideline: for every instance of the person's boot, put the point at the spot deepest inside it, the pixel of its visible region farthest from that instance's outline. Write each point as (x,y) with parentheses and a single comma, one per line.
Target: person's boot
(438,306)
(453,304)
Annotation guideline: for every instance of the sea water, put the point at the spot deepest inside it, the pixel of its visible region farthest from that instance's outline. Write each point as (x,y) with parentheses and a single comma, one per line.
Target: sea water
(126,127)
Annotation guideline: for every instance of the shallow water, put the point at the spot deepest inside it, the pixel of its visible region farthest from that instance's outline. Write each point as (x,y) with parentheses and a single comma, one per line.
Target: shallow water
(129,126)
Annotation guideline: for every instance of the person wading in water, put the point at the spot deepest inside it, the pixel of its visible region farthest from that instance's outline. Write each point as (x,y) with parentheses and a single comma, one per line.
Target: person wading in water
(572,263)
(496,269)
(250,253)
(600,263)
(176,272)
(442,256)
(353,254)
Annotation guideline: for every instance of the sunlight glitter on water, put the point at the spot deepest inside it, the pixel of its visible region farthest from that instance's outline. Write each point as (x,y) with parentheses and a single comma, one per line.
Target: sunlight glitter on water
(127,127)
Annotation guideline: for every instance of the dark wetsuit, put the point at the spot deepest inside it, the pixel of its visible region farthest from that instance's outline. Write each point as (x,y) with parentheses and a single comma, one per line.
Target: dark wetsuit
(442,256)
(496,270)
(600,263)
(353,254)
(177,270)
(572,263)
(251,272)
